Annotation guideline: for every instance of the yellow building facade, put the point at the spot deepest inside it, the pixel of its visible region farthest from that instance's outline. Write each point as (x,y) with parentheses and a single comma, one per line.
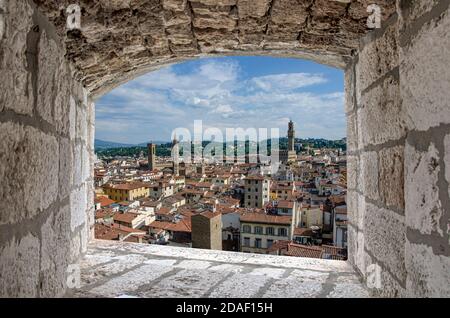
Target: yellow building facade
(126,191)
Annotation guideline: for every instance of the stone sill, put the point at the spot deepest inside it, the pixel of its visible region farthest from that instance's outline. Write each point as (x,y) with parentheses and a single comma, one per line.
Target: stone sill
(120,269)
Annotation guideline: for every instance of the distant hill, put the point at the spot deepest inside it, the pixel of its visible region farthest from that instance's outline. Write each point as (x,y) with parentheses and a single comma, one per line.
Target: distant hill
(111,149)
(102,144)
(144,144)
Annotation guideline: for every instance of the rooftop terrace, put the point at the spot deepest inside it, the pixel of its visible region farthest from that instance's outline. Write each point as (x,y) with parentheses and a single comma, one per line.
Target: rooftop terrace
(113,269)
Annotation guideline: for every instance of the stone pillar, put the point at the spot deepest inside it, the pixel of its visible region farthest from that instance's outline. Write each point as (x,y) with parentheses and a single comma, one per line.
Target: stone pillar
(425,81)
(398,120)
(46,152)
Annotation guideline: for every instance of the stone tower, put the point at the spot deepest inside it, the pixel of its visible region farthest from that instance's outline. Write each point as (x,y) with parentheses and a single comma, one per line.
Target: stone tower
(175,156)
(207,230)
(291,136)
(151,156)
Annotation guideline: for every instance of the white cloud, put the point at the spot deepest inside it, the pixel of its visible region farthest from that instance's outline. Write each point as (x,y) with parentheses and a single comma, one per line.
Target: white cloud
(215,92)
(223,109)
(285,82)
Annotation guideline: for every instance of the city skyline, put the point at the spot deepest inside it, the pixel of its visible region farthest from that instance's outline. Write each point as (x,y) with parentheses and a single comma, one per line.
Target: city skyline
(228,92)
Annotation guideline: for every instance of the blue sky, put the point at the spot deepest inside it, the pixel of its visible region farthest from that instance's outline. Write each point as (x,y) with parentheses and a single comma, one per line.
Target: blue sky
(258,92)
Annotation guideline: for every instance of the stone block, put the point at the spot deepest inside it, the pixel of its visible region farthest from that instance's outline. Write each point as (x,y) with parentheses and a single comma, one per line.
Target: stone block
(29,171)
(391,183)
(47,77)
(55,236)
(352,133)
(428,274)
(359,253)
(72,117)
(378,57)
(352,172)
(411,11)
(422,204)
(425,83)
(349,80)
(75,247)
(380,282)
(382,117)
(361,211)
(82,123)
(250,8)
(385,234)
(175,5)
(91,138)
(78,204)
(87,169)
(447,161)
(66,165)
(368,175)
(61,103)
(78,164)
(351,246)
(19,260)
(84,238)
(91,113)
(2,27)
(356,208)
(16,89)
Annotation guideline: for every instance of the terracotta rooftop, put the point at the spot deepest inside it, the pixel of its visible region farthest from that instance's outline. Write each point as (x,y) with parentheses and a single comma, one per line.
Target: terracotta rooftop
(126,186)
(254,177)
(209,214)
(183,225)
(283,204)
(100,214)
(126,217)
(105,232)
(304,251)
(104,201)
(299,231)
(164,210)
(265,218)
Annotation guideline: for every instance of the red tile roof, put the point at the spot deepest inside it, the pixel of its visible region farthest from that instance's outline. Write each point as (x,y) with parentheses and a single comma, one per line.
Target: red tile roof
(100,214)
(126,186)
(304,251)
(105,232)
(282,204)
(126,217)
(279,246)
(251,217)
(182,226)
(209,214)
(298,231)
(104,201)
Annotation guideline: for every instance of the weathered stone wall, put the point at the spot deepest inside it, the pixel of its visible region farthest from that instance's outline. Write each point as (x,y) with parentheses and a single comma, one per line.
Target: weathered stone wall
(46,151)
(397,109)
(120,40)
(399,140)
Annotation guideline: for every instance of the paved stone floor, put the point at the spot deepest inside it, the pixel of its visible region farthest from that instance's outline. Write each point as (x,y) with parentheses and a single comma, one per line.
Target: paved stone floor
(117,269)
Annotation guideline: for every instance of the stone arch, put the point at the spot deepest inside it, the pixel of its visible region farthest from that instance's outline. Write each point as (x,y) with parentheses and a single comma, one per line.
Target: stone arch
(118,38)
(396,104)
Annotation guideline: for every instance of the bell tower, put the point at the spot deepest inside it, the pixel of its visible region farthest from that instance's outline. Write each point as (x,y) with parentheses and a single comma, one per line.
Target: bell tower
(291,136)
